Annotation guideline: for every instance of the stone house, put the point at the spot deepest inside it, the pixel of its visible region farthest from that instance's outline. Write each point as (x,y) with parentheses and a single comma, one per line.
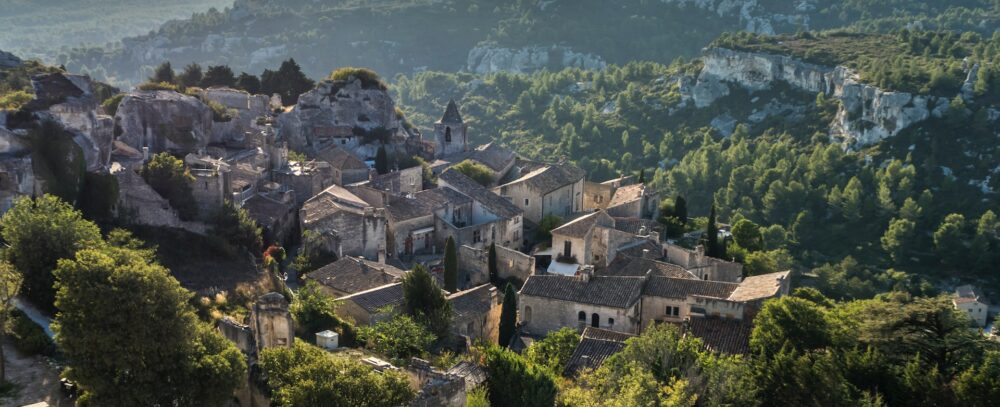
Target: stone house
(667,299)
(403,182)
(305,178)
(450,132)
(347,225)
(701,265)
(968,299)
(546,189)
(498,160)
(473,264)
(591,239)
(370,306)
(411,226)
(350,275)
(488,219)
(346,168)
(476,313)
(596,345)
(550,302)
(634,201)
(245,181)
(275,212)
(597,195)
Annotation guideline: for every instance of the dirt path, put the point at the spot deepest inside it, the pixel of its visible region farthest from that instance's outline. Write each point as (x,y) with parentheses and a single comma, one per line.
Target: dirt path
(38,381)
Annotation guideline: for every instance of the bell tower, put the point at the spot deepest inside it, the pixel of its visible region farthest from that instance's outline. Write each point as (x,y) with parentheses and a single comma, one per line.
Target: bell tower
(450,133)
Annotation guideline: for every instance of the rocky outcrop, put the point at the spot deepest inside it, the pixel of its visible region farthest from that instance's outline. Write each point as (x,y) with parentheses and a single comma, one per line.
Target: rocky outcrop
(8,60)
(867,114)
(17,177)
(164,121)
(70,100)
(489,58)
(756,17)
(355,116)
(245,109)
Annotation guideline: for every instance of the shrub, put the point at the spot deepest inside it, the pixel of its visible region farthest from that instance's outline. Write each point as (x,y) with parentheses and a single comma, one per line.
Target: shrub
(477,172)
(369,79)
(168,177)
(28,337)
(14,100)
(219,112)
(157,86)
(111,105)
(400,337)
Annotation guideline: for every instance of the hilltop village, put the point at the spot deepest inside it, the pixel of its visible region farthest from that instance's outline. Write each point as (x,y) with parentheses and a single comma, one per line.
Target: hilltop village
(520,249)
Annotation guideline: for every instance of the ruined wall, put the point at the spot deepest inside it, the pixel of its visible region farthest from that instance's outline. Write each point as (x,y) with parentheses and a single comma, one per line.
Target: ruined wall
(510,264)
(596,195)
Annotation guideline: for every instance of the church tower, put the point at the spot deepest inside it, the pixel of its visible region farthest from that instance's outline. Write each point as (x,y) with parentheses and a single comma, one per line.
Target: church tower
(450,133)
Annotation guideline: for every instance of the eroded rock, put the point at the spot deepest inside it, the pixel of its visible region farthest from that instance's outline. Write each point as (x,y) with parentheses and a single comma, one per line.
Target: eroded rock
(164,121)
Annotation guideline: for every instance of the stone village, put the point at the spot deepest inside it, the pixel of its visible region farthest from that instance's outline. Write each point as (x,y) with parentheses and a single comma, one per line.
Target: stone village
(606,271)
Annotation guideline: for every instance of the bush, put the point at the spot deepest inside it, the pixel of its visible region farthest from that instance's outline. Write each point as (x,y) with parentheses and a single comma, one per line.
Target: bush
(157,86)
(400,337)
(314,311)
(111,105)
(14,100)
(219,112)
(477,172)
(168,177)
(369,79)
(28,337)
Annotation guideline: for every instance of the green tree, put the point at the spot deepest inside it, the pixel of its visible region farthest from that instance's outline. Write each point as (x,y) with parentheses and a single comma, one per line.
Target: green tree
(312,255)
(680,209)
(288,82)
(305,375)
(713,247)
(39,232)
(219,75)
(475,171)
(898,239)
(191,76)
(515,382)
(545,226)
(979,386)
(747,234)
(115,289)
(10,286)
(491,264)
(791,322)
(315,311)
(248,82)
(236,226)
(381,161)
(508,316)
(425,302)
(167,176)
(400,337)
(163,73)
(554,350)
(450,265)
(950,239)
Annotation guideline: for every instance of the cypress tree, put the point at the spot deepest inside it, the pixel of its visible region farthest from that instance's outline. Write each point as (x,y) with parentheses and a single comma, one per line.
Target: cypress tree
(381,161)
(508,316)
(492,263)
(450,266)
(712,235)
(642,176)
(681,209)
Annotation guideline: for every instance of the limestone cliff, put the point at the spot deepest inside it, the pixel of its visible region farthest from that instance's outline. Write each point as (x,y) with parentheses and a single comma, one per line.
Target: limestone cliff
(867,114)
(348,113)
(164,121)
(70,100)
(756,17)
(245,109)
(489,58)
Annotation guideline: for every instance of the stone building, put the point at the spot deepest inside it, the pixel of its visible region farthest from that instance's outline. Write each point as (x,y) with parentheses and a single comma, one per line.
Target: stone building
(350,275)
(307,179)
(546,189)
(274,210)
(597,195)
(450,132)
(473,264)
(373,305)
(476,313)
(634,201)
(271,322)
(411,225)
(347,168)
(488,219)
(498,160)
(596,345)
(550,302)
(701,265)
(968,299)
(346,224)
(212,185)
(407,181)
(591,239)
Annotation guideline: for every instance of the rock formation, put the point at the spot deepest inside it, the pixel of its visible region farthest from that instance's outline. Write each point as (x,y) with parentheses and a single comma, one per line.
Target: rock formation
(348,113)
(755,17)
(70,100)
(164,121)
(490,58)
(246,108)
(17,177)
(867,114)
(8,60)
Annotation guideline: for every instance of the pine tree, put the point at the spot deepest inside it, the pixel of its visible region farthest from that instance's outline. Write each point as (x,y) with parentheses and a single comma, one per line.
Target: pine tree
(681,209)
(450,266)
(381,161)
(219,75)
(163,73)
(712,236)
(642,176)
(192,75)
(492,264)
(508,315)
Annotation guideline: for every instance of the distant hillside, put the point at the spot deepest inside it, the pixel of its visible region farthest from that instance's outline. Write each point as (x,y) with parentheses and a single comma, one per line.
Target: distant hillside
(40,28)
(408,36)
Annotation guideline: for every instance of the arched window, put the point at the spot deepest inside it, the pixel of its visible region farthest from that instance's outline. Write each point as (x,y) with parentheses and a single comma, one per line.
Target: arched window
(611,322)
(582,316)
(527,314)
(595,320)
(447,134)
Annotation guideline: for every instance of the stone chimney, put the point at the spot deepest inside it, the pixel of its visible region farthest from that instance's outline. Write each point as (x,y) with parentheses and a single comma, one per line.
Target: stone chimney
(585,273)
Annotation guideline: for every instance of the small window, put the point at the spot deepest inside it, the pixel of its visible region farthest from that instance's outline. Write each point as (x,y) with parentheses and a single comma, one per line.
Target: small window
(525,201)
(343,141)
(527,314)
(447,134)
(582,316)
(476,236)
(595,320)
(611,322)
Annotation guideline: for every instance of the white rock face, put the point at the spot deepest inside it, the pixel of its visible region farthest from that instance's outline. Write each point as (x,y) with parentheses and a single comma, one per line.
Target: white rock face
(867,114)
(71,102)
(164,121)
(247,109)
(753,16)
(487,59)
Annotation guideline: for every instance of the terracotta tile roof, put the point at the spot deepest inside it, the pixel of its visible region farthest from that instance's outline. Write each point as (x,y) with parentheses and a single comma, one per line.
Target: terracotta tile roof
(608,291)
(465,185)
(353,275)
(722,335)
(637,267)
(340,158)
(401,208)
(266,210)
(596,345)
(473,302)
(627,194)
(578,227)
(375,299)
(759,287)
(679,288)
(473,374)
(635,249)
(635,225)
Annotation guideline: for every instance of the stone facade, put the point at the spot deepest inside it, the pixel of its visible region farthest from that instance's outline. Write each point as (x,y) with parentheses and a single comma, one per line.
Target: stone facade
(546,190)
(451,133)
(212,186)
(305,178)
(271,322)
(139,204)
(702,266)
(511,264)
(346,224)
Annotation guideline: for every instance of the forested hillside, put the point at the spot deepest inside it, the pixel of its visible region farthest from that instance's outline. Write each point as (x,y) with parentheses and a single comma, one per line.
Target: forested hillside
(920,203)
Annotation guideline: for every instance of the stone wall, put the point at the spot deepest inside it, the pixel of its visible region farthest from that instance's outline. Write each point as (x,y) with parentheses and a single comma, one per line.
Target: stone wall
(138,203)
(543,315)
(596,195)
(237,333)
(271,322)
(510,264)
